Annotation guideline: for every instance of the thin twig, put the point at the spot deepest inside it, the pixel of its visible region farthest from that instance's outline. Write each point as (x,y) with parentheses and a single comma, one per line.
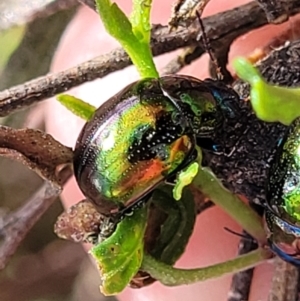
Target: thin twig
(16,225)
(220,27)
(184,12)
(185,58)
(221,51)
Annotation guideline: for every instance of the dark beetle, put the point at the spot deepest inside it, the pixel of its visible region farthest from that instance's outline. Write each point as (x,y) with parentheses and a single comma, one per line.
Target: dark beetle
(145,134)
(283,197)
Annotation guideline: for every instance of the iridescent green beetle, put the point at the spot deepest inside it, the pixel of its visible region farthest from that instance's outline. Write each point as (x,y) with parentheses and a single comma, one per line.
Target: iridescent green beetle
(283,191)
(283,197)
(144,135)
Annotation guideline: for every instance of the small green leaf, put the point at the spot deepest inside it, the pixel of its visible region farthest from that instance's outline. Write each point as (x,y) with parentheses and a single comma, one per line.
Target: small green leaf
(271,103)
(119,257)
(185,178)
(77,106)
(115,21)
(134,38)
(140,19)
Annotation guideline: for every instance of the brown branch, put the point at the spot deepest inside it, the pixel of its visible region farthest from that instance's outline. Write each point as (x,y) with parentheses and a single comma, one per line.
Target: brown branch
(35,149)
(39,152)
(231,23)
(15,226)
(90,3)
(187,56)
(285,282)
(184,12)
(275,10)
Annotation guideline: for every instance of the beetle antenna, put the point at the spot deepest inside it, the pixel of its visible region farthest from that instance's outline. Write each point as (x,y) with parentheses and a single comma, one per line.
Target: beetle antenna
(244,236)
(207,47)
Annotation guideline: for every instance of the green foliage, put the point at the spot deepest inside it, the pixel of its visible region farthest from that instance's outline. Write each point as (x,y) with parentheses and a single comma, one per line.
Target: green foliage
(116,22)
(271,103)
(140,20)
(134,36)
(77,106)
(185,178)
(119,257)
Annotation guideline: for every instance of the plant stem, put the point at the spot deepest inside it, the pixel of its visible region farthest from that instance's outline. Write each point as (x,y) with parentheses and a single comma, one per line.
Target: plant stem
(171,276)
(247,218)
(142,59)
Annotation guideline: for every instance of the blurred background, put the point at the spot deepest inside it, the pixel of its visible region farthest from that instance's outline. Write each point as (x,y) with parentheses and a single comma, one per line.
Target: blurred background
(44,267)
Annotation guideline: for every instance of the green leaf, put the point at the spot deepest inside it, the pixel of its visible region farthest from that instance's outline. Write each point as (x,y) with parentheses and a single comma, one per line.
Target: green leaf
(77,106)
(119,257)
(271,103)
(134,38)
(185,178)
(140,19)
(116,22)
